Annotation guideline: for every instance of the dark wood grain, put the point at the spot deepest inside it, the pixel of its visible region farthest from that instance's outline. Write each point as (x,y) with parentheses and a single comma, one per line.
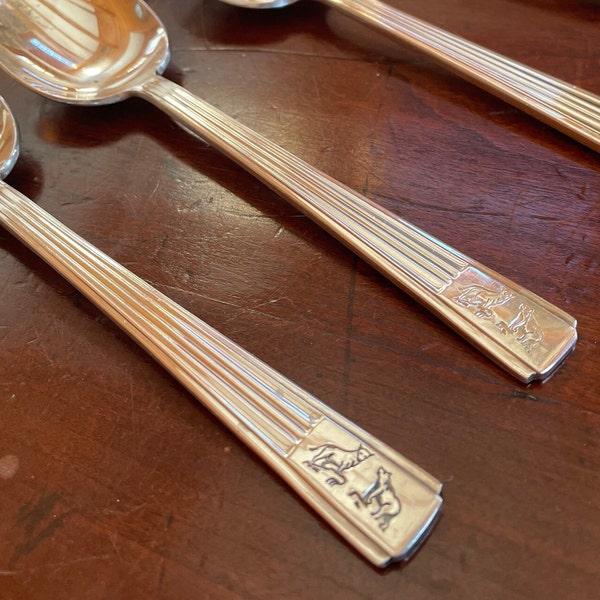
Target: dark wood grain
(116,484)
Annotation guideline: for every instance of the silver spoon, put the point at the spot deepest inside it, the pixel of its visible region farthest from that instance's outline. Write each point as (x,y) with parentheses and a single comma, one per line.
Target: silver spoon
(101,51)
(566,107)
(328,460)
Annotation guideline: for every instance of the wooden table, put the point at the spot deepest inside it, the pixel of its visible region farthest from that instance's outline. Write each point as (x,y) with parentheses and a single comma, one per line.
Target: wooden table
(115,483)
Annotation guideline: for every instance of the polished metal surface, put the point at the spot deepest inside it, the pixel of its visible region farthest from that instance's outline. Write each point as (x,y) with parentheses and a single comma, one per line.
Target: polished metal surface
(76,52)
(117,483)
(568,108)
(383,504)
(9,140)
(91,52)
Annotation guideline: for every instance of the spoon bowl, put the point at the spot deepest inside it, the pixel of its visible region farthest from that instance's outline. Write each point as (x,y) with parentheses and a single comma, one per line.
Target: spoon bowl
(9,140)
(274,417)
(100,51)
(78,54)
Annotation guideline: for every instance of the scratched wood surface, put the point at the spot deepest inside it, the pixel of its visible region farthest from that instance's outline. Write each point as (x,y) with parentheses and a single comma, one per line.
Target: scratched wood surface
(115,483)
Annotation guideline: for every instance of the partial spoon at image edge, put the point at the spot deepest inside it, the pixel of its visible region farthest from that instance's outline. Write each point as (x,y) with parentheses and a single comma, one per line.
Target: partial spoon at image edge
(569,109)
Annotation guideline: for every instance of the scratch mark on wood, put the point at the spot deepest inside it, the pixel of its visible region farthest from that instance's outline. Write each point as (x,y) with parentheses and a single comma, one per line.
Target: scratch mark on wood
(349,328)
(55,566)
(533,398)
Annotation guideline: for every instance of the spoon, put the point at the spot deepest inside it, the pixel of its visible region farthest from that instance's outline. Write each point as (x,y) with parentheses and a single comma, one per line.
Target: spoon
(101,51)
(566,107)
(283,424)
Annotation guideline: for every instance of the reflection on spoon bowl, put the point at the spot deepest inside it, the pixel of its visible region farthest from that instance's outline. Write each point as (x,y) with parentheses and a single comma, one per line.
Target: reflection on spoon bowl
(78,53)
(260,3)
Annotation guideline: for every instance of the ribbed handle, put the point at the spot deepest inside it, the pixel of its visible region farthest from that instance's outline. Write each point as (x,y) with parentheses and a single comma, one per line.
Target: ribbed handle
(526,335)
(566,107)
(382,503)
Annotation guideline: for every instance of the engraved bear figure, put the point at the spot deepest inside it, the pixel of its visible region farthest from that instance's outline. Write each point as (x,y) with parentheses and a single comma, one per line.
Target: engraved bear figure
(336,460)
(380,498)
(482,299)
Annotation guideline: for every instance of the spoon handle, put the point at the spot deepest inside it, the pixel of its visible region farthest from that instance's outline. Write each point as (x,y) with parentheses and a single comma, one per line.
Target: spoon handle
(568,108)
(526,335)
(343,472)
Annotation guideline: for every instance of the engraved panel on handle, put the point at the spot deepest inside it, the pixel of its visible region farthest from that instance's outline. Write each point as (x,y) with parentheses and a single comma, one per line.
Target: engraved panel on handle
(536,332)
(386,502)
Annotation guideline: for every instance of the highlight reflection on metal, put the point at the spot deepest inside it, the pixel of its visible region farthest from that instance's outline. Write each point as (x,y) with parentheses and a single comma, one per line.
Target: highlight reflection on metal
(389,504)
(9,140)
(568,108)
(50,53)
(131,47)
